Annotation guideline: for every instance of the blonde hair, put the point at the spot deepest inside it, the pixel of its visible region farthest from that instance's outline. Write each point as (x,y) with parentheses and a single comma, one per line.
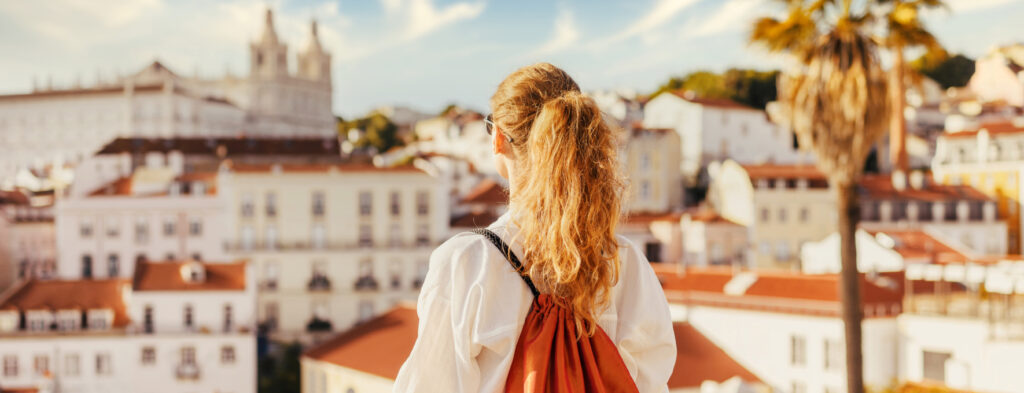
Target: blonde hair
(568,187)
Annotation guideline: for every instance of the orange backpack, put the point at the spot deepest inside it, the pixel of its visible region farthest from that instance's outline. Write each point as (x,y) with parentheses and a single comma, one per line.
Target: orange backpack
(550,357)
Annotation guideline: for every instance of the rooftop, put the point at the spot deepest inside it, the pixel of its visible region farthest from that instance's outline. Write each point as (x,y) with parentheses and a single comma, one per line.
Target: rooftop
(474,220)
(167,276)
(918,244)
(487,192)
(378,346)
(993,128)
(698,359)
(777,171)
(82,295)
(712,102)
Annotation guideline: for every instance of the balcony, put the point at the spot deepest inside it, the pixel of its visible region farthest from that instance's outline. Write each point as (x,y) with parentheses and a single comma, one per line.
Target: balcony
(319,283)
(366,283)
(318,325)
(187,372)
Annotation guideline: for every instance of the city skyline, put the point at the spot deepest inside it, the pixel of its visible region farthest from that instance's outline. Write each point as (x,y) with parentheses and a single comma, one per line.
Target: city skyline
(470,44)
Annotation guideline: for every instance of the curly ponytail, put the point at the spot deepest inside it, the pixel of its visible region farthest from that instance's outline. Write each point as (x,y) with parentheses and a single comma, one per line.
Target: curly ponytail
(568,190)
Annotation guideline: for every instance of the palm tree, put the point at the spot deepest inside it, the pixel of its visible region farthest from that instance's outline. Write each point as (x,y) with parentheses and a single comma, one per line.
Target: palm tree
(904,30)
(837,104)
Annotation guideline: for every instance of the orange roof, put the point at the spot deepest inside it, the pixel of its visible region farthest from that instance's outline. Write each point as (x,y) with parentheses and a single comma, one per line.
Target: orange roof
(993,128)
(488,192)
(649,217)
(258,168)
(915,243)
(777,291)
(698,360)
(776,171)
(19,390)
(474,220)
(710,216)
(121,186)
(378,346)
(71,294)
(166,276)
(880,187)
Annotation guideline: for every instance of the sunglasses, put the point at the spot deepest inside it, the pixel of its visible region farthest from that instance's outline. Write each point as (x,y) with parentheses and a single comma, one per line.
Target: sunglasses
(489,125)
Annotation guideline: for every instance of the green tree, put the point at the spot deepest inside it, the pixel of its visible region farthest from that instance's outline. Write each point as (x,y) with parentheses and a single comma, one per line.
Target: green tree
(752,87)
(948,71)
(280,372)
(377,131)
(837,104)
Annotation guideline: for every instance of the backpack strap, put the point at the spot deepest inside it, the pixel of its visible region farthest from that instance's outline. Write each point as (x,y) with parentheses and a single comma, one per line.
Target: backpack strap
(509,255)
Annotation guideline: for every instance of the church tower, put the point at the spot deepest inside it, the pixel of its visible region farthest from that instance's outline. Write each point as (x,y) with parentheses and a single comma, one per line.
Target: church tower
(314,62)
(268,57)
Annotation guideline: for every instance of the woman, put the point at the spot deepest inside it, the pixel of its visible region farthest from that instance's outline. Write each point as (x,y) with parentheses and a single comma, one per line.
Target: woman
(560,158)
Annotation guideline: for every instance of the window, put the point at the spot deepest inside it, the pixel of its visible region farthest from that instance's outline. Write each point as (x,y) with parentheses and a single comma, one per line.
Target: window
(319,280)
(113,266)
(227,354)
(10,366)
(228,318)
(975,210)
(421,274)
(653,251)
(141,230)
(797,351)
(396,274)
(365,235)
(71,365)
(765,214)
(395,235)
(782,214)
(103,364)
(270,316)
(187,317)
(951,211)
(924,211)
(422,234)
(41,364)
(799,387)
(170,257)
(86,266)
(899,211)
(247,206)
(645,190)
(805,214)
(170,226)
(195,226)
(68,321)
(422,203)
(365,203)
(396,207)
(645,161)
(934,365)
(270,237)
(198,188)
(834,354)
(188,356)
(782,251)
(147,320)
(318,204)
(271,204)
(270,276)
(85,228)
(247,237)
(148,356)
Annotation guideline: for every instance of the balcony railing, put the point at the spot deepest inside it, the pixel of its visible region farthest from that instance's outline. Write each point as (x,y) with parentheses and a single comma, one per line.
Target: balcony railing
(319,283)
(329,246)
(366,283)
(318,325)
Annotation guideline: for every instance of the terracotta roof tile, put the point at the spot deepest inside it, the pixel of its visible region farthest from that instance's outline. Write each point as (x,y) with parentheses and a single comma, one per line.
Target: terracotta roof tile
(166,276)
(487,192)
(993,128)
(642,217)
(713,102)
(71,294)
(915,243)
(881,187)
(710,216)
(776,171)
(698,360)
(378,346)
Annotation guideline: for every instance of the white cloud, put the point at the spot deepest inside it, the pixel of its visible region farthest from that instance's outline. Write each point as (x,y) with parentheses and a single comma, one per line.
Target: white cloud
(422,17)
(975,5)
(565,35)
(662,12)
(733,16)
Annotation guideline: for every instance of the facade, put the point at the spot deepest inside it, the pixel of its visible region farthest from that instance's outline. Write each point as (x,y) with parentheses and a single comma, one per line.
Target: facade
(27,240)
(650,160)
(784,206)
(332,244)
(57,125)
(786,328)
(989,158)
(165,330)
(156,213)
(714,130)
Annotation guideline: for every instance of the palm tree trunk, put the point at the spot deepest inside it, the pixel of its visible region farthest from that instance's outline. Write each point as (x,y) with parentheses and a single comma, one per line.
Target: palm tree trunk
(849,214)
(897,120)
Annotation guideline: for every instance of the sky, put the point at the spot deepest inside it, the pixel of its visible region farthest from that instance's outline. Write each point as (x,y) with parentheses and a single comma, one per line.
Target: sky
(425,54)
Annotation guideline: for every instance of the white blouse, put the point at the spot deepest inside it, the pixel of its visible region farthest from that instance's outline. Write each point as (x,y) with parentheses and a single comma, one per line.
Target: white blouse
(473,304)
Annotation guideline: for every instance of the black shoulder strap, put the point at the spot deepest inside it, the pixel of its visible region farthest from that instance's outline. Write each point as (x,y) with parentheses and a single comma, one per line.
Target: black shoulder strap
(509,255)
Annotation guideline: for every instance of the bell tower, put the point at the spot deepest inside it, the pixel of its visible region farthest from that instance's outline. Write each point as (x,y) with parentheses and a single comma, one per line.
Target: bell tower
(268,57)
(314,62)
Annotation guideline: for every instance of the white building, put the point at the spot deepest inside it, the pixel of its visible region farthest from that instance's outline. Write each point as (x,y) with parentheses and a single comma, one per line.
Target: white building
(66,124)
(152,213)
(786,328)
(650,160)
(332,244)
(27,240)
(882,251)
(175,327)
(622,106)
(715,130)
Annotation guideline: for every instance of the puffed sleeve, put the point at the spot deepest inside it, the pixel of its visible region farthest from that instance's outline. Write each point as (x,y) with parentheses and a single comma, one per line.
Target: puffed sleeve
(644,333)
(442,360)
